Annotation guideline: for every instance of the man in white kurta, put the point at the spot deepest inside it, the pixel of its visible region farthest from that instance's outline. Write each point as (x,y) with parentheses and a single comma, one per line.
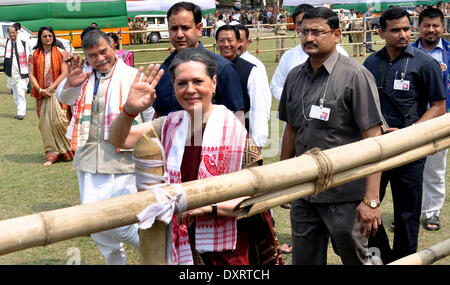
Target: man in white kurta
(103,171)
(263,80)
(15,67)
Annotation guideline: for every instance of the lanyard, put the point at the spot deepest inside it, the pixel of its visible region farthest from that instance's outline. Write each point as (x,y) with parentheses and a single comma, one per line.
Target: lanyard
(321,100)
(97,82)
(402,75)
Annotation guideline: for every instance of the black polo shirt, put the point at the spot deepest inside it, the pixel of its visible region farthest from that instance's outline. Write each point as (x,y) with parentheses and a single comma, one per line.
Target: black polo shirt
(228,89)
(425,84)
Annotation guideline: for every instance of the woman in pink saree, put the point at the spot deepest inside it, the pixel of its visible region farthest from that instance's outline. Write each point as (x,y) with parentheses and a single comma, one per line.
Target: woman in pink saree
(126,55)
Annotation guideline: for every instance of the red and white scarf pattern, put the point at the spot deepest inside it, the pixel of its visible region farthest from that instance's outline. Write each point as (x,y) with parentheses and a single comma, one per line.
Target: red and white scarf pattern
(22,55)
(116,95)
(222,150)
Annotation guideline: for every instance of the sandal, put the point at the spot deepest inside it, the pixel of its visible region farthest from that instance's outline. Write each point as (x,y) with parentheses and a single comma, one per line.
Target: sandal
(432,224)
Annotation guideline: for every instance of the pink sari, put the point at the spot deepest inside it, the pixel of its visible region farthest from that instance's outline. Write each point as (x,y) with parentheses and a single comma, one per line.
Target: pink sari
(127,56)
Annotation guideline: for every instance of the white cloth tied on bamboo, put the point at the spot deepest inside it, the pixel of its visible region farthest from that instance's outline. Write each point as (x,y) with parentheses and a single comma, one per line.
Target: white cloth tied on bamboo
(166,204)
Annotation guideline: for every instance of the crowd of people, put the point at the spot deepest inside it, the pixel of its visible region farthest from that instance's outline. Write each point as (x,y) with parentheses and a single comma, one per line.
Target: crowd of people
(210,114)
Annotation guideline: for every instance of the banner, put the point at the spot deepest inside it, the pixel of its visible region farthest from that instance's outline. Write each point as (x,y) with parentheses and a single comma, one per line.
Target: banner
(65,14)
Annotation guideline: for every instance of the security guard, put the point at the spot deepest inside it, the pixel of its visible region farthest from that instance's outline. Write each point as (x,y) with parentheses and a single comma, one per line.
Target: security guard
(408,80)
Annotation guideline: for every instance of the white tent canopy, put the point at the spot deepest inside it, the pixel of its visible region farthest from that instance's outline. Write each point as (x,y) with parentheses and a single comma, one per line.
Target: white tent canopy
(320,2)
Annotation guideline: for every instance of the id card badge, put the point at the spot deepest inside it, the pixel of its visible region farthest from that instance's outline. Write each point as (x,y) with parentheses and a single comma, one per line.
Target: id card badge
(401,85)
(95,107)
(319,113)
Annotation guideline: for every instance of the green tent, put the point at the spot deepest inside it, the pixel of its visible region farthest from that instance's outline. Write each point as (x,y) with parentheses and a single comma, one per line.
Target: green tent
(65,14)
(138,7)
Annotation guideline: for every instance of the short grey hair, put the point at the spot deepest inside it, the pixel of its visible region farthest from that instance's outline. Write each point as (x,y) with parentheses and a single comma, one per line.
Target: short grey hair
(91,38)
(194,54)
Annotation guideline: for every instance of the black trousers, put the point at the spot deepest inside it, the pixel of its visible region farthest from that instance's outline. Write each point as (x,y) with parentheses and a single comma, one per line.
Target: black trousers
(313,224)
(406,186)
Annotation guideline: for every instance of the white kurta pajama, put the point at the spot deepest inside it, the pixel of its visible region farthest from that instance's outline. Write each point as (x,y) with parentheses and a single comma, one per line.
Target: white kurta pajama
(15,82)
(104,173)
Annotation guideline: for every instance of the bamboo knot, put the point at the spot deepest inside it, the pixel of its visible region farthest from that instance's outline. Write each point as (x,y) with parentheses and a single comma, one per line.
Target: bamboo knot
(47,240)
(325,167)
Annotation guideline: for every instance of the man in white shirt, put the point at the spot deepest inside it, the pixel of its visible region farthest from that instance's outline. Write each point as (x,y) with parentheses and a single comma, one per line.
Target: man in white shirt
(220,22)
(244,43)
(204,25)
(15,66)
(292,57)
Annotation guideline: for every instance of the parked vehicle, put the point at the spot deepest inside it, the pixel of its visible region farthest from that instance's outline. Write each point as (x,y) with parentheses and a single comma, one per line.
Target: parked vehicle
(157,27)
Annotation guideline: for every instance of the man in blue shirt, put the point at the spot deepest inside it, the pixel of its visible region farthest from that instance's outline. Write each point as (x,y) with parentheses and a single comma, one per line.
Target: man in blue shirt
(185,29)
(431,28)
(408,81)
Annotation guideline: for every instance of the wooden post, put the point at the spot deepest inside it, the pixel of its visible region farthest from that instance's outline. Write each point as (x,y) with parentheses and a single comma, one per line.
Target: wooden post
(257,40)
(364,36)
(71,39)
(120,38)
(152,241)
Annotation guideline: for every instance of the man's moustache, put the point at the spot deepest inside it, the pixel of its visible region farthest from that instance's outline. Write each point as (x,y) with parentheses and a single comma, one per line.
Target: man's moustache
(103,62)
(311,44)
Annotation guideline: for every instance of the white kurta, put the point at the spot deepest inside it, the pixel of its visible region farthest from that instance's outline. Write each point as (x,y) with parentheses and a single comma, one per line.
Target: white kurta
(259,108)
(264,80)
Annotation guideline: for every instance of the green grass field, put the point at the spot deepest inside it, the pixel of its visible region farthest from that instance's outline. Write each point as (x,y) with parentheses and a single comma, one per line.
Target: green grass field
(26,187)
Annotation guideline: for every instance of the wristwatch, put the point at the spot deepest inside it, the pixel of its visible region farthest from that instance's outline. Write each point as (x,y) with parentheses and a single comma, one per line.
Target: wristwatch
(214,209)
(372,203)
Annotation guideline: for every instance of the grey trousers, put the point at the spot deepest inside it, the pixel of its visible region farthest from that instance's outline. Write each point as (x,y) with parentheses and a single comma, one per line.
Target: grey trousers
(312,226)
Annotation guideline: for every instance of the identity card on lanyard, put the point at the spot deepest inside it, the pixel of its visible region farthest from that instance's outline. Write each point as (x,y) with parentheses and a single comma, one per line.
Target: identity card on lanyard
(320,112)
(402,84)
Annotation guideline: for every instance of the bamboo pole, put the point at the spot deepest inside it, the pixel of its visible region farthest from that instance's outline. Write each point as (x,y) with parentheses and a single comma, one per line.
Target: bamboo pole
(264,202)
(153,241)
(427,256)
(52,226)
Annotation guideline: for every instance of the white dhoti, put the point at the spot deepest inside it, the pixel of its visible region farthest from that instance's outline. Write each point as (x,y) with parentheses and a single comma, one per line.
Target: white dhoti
(97,187)
(18,86)
(434,184)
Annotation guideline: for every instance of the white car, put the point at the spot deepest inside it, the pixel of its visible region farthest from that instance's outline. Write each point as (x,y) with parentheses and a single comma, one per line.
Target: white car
(33,39)
(157,27)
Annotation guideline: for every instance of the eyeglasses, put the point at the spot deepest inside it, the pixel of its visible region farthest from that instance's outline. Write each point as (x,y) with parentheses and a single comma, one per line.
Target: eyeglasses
(314,33)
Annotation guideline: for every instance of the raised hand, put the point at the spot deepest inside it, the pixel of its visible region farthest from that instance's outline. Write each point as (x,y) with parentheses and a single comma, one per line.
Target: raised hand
(142,93)
(76,77)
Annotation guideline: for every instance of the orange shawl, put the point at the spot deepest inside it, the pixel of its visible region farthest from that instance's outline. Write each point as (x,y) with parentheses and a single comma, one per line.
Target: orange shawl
(39,69)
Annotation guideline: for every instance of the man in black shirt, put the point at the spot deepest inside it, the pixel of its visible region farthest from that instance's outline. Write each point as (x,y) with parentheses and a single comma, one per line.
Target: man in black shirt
(408,80)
